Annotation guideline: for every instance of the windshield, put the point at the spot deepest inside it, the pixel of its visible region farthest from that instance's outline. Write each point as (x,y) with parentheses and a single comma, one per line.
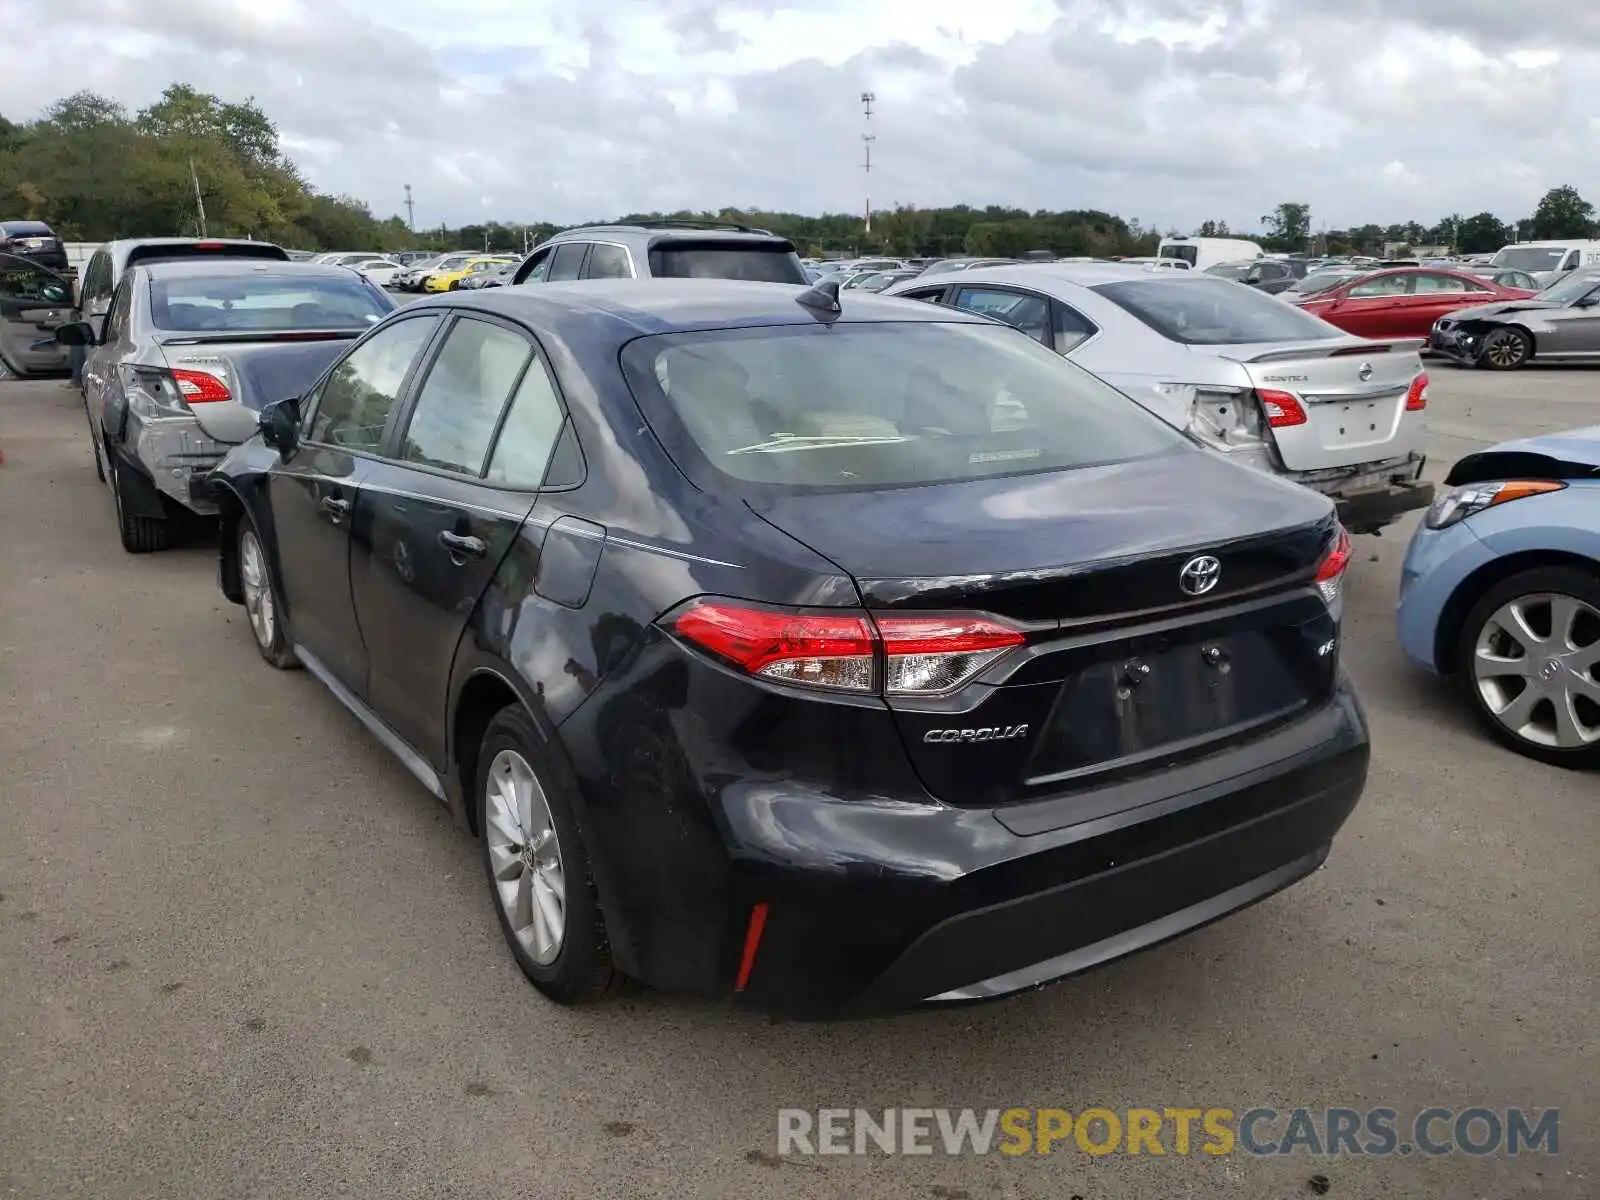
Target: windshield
(1530,258)
(1569,288)
(1321,281)
(1236,270)
(265,303)
(1201,311)
(852,406)
(1187,254)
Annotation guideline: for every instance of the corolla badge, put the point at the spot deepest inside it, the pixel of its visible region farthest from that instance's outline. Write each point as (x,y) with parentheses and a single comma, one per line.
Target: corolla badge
(1199,575)
(1365,373)
(990,733)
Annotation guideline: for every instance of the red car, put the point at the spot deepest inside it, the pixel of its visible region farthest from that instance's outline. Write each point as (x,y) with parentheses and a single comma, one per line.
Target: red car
(1404,302)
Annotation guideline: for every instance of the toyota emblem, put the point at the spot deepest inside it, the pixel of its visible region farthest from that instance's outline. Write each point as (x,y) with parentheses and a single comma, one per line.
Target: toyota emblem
(1199,575)
(1365,373)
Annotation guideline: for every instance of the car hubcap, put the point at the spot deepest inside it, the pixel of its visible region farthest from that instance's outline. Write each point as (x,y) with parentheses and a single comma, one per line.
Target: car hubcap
(1504,349)
(1534,666)
(525,856)
(257,590)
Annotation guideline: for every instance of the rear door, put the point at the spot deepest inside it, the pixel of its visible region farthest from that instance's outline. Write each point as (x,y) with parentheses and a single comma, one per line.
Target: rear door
(566,262)
(34,301)
(439,511)
(314,491)
(1371,307)
(1433,294)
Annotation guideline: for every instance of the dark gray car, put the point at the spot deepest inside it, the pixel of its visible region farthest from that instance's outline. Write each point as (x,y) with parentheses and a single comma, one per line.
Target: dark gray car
(187,357)
(667,250)
(1559,324)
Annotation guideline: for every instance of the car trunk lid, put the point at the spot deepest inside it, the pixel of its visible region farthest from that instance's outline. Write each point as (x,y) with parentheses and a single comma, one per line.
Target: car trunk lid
(227,379)
(1349,399)
(1122,670)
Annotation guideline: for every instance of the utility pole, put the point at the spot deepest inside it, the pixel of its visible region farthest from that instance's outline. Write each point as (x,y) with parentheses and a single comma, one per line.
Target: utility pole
(411,211)
(199,203)
(867,138)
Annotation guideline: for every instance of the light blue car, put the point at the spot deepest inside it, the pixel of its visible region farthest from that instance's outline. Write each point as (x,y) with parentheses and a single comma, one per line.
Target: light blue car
(1501,589)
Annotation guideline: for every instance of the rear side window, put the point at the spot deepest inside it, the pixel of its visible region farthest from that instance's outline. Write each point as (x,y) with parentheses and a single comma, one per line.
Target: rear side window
(523,452)
(773,262)
(806,407)
(459,405)
(566,261)
(607,262)
(1029,313)
(1201,311)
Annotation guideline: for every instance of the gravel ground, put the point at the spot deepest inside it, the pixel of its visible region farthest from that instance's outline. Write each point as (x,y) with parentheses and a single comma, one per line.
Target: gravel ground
(243,954)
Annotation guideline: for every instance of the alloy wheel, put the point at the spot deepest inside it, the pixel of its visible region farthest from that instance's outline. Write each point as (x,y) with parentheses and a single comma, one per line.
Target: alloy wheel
(525,857)
(1534,665)
(257,586)
(1505,348)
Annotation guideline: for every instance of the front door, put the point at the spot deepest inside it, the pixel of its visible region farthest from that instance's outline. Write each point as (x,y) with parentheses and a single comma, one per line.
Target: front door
(315,489)
(440,512)
(34,301)
(1573,330)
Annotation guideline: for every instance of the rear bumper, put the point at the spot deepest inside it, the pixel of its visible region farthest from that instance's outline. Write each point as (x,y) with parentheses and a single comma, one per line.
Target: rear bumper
(881,907)
(177,455)
(1372,509)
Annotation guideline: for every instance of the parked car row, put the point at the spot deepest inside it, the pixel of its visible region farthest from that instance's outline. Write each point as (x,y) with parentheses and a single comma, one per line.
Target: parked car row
(682,590)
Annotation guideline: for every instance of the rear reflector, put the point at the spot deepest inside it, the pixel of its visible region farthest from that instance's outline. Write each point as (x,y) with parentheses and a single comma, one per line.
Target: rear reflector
(1417,397)
(200,387)
(1330,571)
(925,655)
(1282,409)
(752,943)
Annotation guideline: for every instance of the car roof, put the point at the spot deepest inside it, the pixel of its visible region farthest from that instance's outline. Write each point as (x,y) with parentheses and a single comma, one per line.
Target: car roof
(184,268)
(628,308)
(668,233)
(1081,274)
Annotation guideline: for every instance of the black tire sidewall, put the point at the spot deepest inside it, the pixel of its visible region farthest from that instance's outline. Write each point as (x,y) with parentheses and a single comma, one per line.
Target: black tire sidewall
(583,963)
(1571,581)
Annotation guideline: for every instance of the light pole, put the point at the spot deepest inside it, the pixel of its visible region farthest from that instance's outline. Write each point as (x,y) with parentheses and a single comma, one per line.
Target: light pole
(867,138)
(411,211)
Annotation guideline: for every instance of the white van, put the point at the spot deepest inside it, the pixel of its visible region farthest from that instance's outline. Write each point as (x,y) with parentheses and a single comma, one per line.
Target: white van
(1546,261)
(1203,252)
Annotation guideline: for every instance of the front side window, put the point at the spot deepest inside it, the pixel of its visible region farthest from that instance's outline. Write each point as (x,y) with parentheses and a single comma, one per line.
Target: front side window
(807,407)
(360,392)
(1383,285)
(1201,311)
(460,403)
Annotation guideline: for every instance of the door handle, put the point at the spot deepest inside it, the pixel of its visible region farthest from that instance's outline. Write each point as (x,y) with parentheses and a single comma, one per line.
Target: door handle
(335,507)
(457,544)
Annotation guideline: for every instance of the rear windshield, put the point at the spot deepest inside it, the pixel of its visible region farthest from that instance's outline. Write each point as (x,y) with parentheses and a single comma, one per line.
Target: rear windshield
(183,251)
(1530,258)
(1198,311)
(769,263)
(1321,281)
(265,303)
(808,407)
(25,229)
(1236,270)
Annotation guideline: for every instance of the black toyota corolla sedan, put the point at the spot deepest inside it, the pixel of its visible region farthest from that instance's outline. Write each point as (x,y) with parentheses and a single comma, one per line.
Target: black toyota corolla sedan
(839,661)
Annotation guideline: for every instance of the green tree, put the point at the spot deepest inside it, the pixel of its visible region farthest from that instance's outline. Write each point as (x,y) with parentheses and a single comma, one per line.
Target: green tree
(1482,233)
(1213,229)
(1288,225)
(1563,213)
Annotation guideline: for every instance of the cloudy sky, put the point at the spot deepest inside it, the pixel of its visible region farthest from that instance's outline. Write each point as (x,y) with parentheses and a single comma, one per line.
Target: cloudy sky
(1168,111)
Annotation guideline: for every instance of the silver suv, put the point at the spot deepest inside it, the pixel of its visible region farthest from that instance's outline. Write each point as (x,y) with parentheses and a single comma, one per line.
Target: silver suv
(664,250)
(1248,375)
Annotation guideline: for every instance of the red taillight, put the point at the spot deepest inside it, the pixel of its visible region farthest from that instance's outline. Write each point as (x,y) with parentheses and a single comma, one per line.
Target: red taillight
(1330,571)
(1417,397)
(1281,408)
(200,387)
(920,655)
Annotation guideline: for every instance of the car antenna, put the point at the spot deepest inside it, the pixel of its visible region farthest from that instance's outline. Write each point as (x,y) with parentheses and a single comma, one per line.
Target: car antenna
(822,299)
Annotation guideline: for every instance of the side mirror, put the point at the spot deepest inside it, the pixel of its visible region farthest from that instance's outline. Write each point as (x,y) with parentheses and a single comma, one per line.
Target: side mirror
(280,426)
(1588,301)
(76,333)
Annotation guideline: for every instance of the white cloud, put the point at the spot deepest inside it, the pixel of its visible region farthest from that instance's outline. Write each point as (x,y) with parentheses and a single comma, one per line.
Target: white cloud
(1169,111)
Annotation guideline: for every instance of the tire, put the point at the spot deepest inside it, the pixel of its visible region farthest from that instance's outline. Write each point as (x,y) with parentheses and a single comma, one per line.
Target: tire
(263,609)
(1505,349)
(576,967)
(140,535)
(1556,678)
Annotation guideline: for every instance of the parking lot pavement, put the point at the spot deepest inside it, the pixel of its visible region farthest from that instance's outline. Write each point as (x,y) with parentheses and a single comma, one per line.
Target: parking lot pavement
(243,954)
